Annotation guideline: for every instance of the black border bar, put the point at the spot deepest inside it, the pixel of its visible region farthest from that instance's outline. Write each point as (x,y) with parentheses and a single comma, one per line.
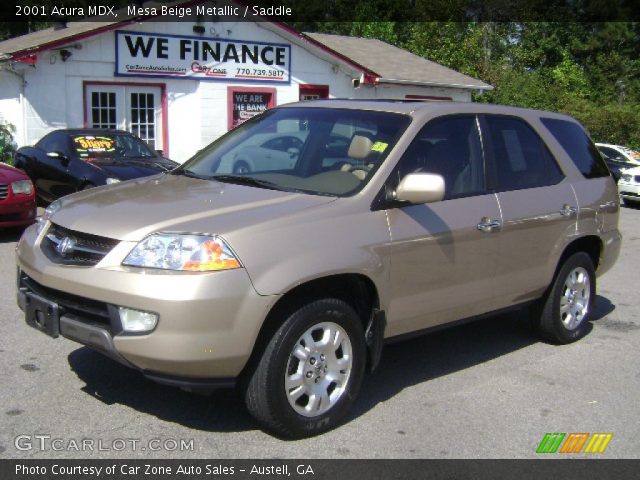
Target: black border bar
(123,469)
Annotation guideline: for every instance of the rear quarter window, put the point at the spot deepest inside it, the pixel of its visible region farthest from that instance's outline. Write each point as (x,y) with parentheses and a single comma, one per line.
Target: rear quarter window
(520,157)
(578,146)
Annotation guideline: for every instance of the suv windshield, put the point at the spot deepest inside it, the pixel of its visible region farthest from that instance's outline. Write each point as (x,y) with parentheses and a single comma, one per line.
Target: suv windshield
(314,150)
(110,145)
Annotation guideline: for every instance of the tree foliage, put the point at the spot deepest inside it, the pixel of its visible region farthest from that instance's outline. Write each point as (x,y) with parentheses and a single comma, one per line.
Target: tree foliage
(587,70)
(7,144)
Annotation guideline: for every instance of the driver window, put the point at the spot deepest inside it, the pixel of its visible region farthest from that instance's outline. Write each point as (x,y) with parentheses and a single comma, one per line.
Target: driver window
(449,147)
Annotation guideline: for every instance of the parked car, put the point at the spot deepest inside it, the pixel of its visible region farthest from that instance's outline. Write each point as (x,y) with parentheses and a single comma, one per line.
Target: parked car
(618,158)
(17,198)
(288,282)
(273,152)
(66,161)
(629,186)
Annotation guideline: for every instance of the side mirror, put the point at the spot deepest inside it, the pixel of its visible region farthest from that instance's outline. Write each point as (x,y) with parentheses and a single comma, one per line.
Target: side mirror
(58,155)
(160,153)
(420,188)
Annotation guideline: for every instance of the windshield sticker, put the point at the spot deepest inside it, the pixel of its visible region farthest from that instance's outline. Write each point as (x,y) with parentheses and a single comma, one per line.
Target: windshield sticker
(90,144)
(379,147)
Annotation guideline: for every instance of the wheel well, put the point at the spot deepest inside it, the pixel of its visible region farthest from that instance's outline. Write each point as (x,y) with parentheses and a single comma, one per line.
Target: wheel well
(591,245)
(355,289)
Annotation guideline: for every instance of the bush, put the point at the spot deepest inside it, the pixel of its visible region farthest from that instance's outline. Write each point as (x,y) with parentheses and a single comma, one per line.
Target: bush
(7,144)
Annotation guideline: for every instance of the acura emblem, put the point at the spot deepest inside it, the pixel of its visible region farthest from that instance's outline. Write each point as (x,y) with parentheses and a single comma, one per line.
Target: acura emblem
(65,246)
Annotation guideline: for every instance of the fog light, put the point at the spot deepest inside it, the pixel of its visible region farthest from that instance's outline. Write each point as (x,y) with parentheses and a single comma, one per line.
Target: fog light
(136,320)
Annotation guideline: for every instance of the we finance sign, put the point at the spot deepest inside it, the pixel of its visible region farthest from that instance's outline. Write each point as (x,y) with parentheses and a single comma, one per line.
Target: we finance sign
(176,56)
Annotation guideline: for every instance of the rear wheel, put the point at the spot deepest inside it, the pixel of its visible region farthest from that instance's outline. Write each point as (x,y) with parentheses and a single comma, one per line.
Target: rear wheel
(565,309)
(310,372)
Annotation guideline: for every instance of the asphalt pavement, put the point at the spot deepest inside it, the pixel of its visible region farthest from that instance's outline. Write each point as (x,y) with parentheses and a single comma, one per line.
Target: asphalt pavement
(489,389)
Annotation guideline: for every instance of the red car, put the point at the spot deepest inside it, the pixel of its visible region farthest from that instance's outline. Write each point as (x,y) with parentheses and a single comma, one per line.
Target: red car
(17,198)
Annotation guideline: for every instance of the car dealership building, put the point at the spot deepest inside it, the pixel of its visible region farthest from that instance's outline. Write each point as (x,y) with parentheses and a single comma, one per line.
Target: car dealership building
(181,84)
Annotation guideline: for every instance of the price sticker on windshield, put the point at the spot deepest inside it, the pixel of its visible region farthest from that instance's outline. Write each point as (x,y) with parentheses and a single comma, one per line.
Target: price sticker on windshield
(379,147)
(92,144)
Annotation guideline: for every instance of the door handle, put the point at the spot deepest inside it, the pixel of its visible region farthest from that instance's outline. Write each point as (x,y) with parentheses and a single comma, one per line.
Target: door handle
(568,210)
(487,224)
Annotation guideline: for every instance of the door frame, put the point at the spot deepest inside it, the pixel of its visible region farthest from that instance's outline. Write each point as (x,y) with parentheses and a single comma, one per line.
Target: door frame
(163,104)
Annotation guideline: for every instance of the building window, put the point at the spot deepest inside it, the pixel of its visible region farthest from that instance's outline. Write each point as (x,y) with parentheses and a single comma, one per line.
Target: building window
(313,92)
(143,121)
(103,110)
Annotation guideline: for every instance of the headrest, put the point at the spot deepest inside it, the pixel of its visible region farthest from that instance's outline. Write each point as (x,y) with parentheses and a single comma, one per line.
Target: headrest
(360,147)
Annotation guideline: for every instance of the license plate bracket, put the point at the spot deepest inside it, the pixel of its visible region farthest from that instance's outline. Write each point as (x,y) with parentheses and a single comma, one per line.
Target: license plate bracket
(42,314)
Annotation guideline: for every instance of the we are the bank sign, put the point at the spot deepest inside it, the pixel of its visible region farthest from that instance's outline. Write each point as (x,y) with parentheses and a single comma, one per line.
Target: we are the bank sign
(177,56)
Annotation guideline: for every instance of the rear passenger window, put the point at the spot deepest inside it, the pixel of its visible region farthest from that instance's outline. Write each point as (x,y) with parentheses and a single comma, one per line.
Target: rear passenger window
(521,158)
(578,146)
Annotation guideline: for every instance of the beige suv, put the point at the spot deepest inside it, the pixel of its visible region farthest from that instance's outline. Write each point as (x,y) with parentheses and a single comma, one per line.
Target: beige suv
(354,222)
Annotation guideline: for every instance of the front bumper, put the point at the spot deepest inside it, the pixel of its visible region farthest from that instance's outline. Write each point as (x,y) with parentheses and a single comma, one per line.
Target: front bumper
(207,326)
(17,211)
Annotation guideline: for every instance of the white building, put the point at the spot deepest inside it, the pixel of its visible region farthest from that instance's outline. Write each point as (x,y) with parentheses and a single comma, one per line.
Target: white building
(180,85)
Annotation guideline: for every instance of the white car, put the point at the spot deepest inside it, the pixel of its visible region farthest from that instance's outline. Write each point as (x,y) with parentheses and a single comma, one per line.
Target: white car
(276,152)
(629,186)
(619,153)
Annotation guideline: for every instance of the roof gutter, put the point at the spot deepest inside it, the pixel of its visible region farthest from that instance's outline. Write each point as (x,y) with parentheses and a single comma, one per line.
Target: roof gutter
(394,81)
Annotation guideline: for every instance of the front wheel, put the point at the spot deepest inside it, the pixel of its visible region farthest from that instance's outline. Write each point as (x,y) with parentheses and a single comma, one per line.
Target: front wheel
(310,372)
(567,305)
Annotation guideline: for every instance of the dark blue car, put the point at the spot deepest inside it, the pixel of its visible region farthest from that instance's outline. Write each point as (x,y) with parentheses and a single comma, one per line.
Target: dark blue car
(66,161)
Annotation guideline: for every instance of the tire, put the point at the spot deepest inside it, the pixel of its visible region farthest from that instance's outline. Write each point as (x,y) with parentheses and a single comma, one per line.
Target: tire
(629,203)
(241,167)
(565,310)
(312,402)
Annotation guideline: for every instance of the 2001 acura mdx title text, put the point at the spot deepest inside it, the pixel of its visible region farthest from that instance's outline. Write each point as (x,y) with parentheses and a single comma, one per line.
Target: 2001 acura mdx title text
(286,276)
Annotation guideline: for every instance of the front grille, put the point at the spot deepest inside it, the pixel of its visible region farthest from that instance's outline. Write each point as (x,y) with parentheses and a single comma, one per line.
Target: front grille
(4,191)
(69,247)
(84,308)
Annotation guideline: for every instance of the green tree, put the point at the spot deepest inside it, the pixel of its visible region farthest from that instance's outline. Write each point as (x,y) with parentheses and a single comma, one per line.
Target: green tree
(7,144)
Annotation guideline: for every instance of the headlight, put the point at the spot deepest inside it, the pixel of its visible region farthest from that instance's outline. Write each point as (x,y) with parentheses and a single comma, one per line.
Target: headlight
(111,180)
(196,253)
(48,213)
(22,186)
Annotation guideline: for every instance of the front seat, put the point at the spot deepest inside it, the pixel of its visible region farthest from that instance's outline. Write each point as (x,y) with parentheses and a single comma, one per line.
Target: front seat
(449,159)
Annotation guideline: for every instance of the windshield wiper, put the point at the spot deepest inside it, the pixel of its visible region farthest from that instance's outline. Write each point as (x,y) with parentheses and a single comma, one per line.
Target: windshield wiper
(251,181)
(189,173)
